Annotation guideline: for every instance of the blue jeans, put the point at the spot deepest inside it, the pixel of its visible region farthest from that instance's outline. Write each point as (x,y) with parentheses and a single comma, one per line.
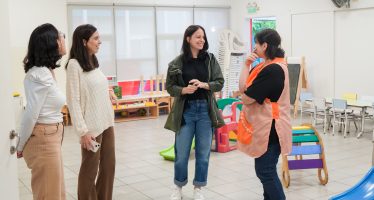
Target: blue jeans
(198,125)
(266,171)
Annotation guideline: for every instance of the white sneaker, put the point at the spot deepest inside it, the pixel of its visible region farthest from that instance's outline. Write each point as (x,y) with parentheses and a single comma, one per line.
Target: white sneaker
(177,194)
(197,194)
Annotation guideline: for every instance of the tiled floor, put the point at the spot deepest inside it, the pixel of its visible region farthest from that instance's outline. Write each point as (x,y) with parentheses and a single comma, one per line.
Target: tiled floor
(142,174)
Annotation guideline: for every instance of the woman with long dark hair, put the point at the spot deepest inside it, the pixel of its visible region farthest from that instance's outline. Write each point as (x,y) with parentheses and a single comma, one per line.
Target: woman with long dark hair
(192,79)
(90,107)
(41,130)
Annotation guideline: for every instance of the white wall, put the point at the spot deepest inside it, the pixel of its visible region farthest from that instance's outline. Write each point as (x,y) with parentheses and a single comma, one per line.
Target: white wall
(354,44)
(25,16)
(5,65)
(317,44)
(323,70)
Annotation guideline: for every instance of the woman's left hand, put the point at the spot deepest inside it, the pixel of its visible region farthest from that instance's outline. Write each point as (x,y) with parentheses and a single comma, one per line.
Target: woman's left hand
(199,84)
(112,96)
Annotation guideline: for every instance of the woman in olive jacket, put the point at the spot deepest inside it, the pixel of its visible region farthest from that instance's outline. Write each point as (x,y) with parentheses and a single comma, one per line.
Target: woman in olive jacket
(192,79)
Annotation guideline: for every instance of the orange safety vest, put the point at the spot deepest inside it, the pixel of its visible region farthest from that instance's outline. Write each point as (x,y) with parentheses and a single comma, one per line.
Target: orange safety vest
(256,119)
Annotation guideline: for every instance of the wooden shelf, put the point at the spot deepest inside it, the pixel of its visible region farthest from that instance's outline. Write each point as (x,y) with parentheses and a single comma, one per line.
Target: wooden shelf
(149,101)
(126,119)
(132,113)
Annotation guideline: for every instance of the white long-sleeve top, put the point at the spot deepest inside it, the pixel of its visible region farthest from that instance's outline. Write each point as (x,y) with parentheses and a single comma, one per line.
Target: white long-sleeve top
(88,100)
(44,102)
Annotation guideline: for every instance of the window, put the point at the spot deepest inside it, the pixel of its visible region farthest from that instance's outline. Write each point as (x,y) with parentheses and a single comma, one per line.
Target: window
(102,18)
(136,44)
(140,40)
(170,33)
(204,16)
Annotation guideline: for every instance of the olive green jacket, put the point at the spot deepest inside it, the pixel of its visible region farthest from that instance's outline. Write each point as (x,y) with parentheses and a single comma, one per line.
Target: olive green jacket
(175,83)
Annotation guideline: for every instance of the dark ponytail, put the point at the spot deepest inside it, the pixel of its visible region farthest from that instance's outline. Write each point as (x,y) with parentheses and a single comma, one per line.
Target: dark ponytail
(272,38)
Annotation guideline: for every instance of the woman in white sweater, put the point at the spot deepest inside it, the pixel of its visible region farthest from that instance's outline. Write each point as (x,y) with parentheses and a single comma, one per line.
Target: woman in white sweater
(41,128)
(90,107)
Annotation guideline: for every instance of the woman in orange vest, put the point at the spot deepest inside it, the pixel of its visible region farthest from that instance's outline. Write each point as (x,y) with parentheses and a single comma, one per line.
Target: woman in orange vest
(266,111)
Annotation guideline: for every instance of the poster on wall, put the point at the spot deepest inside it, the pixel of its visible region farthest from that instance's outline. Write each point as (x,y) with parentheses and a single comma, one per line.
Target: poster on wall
(256,25)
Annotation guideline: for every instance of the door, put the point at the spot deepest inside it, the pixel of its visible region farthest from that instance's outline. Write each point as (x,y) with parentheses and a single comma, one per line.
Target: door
(8,162)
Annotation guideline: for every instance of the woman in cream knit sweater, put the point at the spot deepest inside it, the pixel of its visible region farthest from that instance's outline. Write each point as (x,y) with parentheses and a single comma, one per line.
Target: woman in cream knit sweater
(92,115)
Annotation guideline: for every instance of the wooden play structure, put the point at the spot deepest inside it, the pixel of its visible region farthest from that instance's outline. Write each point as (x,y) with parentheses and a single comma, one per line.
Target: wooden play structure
(307,144)
(297,79)
(163,102)
(150,100)
(222,134)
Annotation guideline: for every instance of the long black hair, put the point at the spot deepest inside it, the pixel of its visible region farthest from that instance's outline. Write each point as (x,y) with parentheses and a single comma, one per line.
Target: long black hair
(79,51)
(43,49)
(186,48)
(272,38)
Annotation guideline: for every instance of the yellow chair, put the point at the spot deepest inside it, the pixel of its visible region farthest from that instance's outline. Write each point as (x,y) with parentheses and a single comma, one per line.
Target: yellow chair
(350,96)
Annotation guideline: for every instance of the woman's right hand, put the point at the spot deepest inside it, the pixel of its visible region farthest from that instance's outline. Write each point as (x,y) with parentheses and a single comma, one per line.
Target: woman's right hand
(86,141)
(250,59)
(190,89)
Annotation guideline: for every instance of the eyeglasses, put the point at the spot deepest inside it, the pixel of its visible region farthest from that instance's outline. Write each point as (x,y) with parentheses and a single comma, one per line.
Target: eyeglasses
(61,34)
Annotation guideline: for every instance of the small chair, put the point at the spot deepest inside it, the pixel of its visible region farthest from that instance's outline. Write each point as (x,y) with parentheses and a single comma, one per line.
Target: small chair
(369,113)
(339,109)
(164,103)
(350,96)
(304,107)
(320,112)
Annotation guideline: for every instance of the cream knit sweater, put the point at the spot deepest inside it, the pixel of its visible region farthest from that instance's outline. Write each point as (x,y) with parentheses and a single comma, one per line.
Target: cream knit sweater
(88,100)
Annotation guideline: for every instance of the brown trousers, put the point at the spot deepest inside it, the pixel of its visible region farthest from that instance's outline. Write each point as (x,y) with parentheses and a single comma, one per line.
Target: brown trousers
(42,154)
(101,163)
